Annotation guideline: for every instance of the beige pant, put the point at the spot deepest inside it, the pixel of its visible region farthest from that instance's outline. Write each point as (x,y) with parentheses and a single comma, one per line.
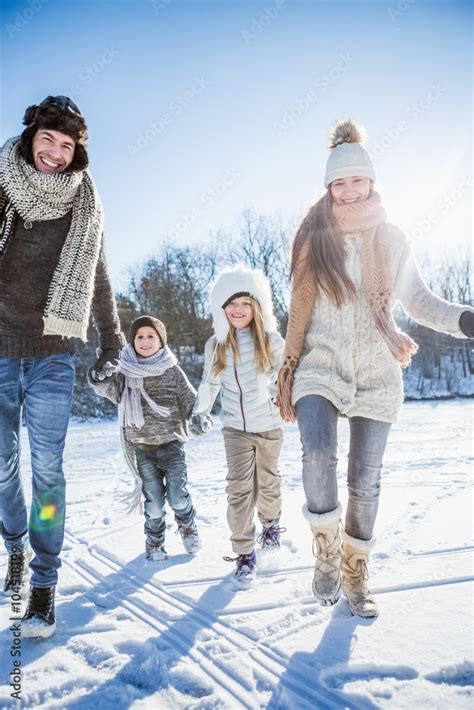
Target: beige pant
(252,478)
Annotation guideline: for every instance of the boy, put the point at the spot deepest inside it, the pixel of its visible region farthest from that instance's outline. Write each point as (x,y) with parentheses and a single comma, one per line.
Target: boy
(155,399)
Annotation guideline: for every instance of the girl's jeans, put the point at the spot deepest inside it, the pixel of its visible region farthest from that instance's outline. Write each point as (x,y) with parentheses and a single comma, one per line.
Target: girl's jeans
(317,421)
(43,386)
(164,475)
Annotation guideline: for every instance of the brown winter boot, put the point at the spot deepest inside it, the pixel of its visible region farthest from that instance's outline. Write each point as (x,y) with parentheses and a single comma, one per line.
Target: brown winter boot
(355,575)
(327,550)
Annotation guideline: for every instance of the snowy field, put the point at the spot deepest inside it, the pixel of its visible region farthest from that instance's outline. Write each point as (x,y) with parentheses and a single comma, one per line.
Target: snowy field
(177,635)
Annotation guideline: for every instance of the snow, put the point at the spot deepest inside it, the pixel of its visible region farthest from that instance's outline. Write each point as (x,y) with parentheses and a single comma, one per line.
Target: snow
(176,634)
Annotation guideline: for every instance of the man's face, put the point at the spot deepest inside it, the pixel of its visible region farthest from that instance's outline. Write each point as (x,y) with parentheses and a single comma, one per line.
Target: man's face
(53,151)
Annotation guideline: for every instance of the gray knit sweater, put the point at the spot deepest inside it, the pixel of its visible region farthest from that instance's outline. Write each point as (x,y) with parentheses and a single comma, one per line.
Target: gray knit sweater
(172,389)
(26,270)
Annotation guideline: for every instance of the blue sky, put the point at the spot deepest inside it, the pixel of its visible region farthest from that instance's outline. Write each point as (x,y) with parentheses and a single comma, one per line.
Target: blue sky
(197,110)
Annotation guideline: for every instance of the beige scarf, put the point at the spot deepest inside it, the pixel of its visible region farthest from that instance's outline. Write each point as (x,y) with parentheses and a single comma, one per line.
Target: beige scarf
(368,218)
(36,196)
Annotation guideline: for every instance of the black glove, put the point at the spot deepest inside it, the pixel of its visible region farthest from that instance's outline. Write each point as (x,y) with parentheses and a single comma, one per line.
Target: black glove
(466,323)
(106,365)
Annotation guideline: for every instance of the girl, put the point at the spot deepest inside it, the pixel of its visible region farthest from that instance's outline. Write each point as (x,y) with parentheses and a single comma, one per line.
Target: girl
(343,354)
(241,361)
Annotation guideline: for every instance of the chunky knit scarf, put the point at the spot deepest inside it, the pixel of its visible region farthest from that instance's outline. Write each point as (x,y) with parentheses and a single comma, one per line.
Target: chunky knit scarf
(368,218)
(134,369)
(36,196)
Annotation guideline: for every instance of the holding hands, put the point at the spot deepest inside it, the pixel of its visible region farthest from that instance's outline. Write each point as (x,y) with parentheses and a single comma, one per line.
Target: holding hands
(200,424)
(106,365)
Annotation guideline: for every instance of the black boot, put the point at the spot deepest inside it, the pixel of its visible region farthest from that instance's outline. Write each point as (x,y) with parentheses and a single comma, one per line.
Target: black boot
(18,573)
(39,620)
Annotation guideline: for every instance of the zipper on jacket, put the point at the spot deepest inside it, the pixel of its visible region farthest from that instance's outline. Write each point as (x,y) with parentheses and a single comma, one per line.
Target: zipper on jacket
(241,396)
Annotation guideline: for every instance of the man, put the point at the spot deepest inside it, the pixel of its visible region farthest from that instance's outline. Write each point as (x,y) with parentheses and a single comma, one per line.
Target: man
(53,276)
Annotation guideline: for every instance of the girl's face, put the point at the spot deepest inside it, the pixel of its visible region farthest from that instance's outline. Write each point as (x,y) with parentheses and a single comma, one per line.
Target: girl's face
(344,191)
(239,312)
(147,341)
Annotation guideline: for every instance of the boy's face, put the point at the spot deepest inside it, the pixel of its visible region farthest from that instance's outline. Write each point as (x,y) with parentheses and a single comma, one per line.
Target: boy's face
(147,341)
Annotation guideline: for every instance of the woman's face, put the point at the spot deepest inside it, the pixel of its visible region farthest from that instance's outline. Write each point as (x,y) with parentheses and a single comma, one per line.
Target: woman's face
(344,191)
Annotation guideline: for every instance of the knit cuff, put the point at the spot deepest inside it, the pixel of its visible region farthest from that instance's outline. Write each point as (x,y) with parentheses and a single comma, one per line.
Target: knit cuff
(112,341)
(452,320)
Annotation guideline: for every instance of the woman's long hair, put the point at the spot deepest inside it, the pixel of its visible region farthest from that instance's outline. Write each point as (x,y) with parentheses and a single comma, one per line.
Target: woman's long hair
(261,341)
(326,252)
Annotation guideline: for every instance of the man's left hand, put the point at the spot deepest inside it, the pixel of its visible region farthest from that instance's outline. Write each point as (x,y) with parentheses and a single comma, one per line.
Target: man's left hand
(107,365)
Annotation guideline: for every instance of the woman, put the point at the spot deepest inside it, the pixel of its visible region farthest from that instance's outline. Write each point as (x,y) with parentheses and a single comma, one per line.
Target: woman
(343,355)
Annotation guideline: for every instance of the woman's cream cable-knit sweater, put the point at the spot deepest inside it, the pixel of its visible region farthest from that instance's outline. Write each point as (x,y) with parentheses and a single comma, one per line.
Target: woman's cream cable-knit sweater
(340,353)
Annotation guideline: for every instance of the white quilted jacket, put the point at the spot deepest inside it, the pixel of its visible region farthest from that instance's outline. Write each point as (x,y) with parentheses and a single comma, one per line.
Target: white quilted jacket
(246,393)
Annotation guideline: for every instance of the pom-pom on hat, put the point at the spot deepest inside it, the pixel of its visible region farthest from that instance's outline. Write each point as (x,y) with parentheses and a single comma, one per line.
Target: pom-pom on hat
(348,157)
(152,322)
(236,281)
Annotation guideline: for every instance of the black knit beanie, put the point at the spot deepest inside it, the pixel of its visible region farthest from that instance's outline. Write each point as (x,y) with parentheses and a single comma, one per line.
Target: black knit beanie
(57,113)
(154,323)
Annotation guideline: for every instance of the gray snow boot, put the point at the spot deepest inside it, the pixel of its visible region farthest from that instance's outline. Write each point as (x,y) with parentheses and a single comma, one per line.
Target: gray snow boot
(155,550)
(327,550)
(190,536)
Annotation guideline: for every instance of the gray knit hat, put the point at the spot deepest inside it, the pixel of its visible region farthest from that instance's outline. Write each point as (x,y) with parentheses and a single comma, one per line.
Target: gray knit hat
(154,323)
(348,157)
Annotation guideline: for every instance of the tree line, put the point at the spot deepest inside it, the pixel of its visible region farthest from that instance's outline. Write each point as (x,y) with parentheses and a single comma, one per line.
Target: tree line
(173,286)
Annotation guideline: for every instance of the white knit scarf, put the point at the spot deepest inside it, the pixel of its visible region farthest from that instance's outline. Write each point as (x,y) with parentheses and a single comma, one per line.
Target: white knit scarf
(37,196)
(135,368)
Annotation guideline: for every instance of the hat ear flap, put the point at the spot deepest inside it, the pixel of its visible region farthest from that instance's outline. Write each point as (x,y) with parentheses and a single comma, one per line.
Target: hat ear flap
(221,325)
(80,160)
(26,141)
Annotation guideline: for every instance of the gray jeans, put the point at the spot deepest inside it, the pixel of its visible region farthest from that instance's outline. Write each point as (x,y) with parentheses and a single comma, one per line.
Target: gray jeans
(317,422)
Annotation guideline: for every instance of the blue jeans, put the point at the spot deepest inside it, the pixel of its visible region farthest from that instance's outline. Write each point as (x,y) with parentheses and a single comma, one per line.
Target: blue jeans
(164,475)
(317,422)
(43,386)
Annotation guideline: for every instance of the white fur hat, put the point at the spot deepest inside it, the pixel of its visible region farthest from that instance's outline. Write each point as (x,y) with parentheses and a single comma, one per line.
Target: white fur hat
(240,279)
(348,157)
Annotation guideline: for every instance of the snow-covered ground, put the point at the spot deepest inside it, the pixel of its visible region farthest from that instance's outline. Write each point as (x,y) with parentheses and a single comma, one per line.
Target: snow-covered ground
(177,635)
